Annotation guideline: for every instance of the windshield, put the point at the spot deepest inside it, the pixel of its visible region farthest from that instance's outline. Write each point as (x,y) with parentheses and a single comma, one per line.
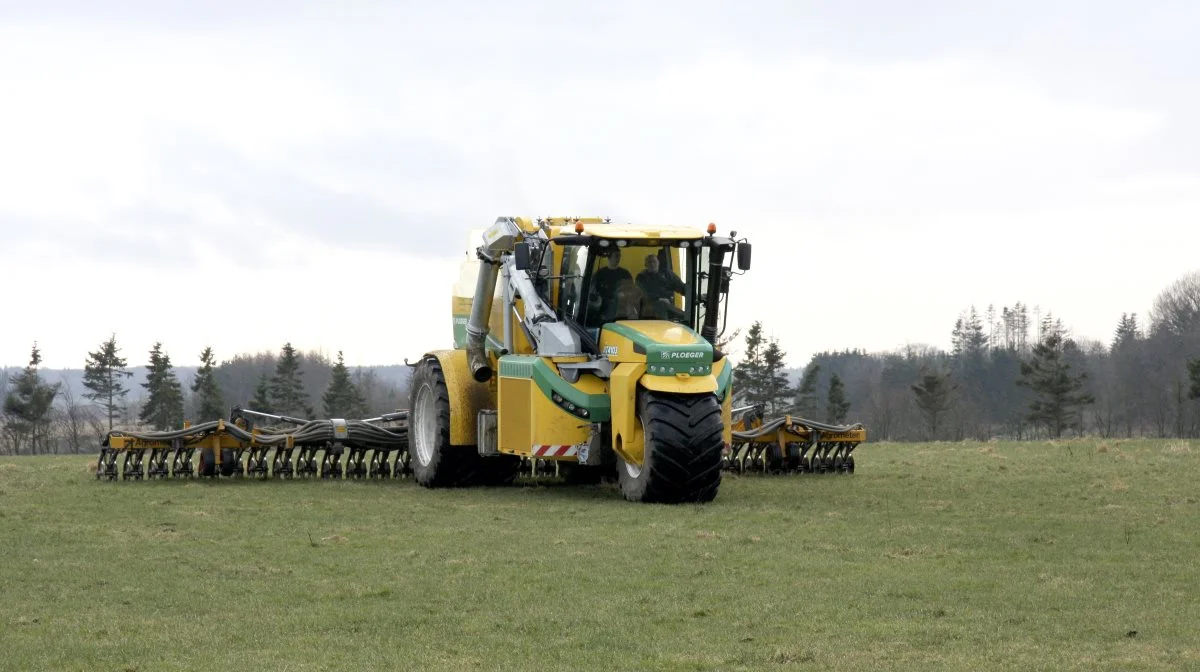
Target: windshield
(632,282)
(570,278)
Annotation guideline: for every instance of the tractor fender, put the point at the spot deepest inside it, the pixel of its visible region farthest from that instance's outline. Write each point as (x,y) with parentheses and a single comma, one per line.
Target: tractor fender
(467,397)
(627,439)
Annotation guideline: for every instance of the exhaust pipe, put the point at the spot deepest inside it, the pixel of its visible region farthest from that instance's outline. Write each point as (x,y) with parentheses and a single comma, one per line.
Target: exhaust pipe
(477,325)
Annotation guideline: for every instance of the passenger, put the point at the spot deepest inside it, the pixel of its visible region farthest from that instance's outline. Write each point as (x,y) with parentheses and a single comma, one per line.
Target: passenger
(660,285)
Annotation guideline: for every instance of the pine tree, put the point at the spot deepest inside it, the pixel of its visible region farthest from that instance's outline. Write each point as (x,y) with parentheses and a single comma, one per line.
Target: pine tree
(775,384)
(1059,394)
(287,389)
(1128,332)
(837,407)
(968,338)
(342,398)
(806,400)
(209,402)
(262,396)
(1129,368)
(102,376)
(748,375)
(27,406)
(935,396)
(163,409)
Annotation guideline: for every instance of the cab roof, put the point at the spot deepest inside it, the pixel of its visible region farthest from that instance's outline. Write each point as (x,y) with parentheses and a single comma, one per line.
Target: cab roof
(602,228)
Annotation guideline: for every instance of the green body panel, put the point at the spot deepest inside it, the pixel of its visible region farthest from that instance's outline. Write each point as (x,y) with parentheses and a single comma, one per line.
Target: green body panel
(535,368)
(668,359)
(460,332)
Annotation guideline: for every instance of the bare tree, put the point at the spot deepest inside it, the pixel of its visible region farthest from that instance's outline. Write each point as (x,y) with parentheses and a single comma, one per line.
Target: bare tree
(1177,309)
(74,420)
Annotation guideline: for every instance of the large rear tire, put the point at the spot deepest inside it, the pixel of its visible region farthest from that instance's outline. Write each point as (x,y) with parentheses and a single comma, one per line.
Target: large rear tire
(683,443)
(436,463)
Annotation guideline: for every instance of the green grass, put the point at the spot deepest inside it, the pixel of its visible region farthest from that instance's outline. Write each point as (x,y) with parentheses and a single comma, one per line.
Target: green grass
(933,556)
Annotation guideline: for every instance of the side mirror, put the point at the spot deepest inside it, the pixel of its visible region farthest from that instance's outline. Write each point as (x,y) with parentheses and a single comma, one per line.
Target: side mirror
(743,256)
(521,256)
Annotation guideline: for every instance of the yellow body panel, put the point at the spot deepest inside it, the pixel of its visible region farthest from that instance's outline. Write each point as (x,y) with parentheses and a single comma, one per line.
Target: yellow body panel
(554,426)
(589,384)
(568,223)
(665,332)
(528,417)
(619,348)
(794,430)
(681,383)
(727,419)
(526,225)
(467,397)
(615,231)
(515,414)
(219,441)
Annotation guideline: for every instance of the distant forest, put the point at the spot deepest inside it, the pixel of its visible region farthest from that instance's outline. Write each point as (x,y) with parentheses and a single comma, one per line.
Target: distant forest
(71,410)
(1011,372)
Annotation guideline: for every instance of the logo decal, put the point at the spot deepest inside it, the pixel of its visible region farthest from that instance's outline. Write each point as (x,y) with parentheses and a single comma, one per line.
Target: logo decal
(610,350)
(673,354)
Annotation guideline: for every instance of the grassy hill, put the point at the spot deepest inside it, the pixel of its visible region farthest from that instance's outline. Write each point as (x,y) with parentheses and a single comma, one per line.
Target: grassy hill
(1057,556)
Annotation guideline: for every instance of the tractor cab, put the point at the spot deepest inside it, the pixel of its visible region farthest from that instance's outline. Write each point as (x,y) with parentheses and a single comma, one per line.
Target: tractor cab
(599,274)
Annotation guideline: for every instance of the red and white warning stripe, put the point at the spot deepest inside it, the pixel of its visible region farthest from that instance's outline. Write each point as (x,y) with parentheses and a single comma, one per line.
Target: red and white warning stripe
(540,450)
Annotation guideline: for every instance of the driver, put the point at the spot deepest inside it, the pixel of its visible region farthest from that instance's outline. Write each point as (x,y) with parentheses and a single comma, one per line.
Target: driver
(607,282)
(660,286)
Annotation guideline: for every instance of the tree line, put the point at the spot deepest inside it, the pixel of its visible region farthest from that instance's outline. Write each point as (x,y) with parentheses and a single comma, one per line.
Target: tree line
(1007,374)
(39,416)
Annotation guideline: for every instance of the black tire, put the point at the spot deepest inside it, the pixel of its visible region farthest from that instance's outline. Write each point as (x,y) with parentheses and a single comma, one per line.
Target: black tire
(230,465)
(436,463)
(208,462)
(682,463)
(774,460)
(793,458)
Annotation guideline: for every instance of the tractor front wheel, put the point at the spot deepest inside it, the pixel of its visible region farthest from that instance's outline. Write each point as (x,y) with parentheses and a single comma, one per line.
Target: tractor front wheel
(682,455)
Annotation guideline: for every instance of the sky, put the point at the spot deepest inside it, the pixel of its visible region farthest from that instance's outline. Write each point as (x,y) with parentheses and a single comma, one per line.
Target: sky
(241,174)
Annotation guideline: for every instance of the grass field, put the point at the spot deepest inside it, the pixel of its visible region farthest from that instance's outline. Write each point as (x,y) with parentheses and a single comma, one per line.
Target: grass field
(1078,555)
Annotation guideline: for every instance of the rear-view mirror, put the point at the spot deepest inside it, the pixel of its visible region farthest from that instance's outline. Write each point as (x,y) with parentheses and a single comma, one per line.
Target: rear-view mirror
(521,256)
(743,256)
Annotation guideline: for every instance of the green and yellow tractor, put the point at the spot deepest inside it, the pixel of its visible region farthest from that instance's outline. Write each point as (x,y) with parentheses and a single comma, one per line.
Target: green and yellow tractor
(589,344)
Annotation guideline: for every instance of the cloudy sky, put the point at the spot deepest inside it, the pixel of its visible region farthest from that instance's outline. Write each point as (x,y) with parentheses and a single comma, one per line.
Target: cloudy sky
(246,173)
